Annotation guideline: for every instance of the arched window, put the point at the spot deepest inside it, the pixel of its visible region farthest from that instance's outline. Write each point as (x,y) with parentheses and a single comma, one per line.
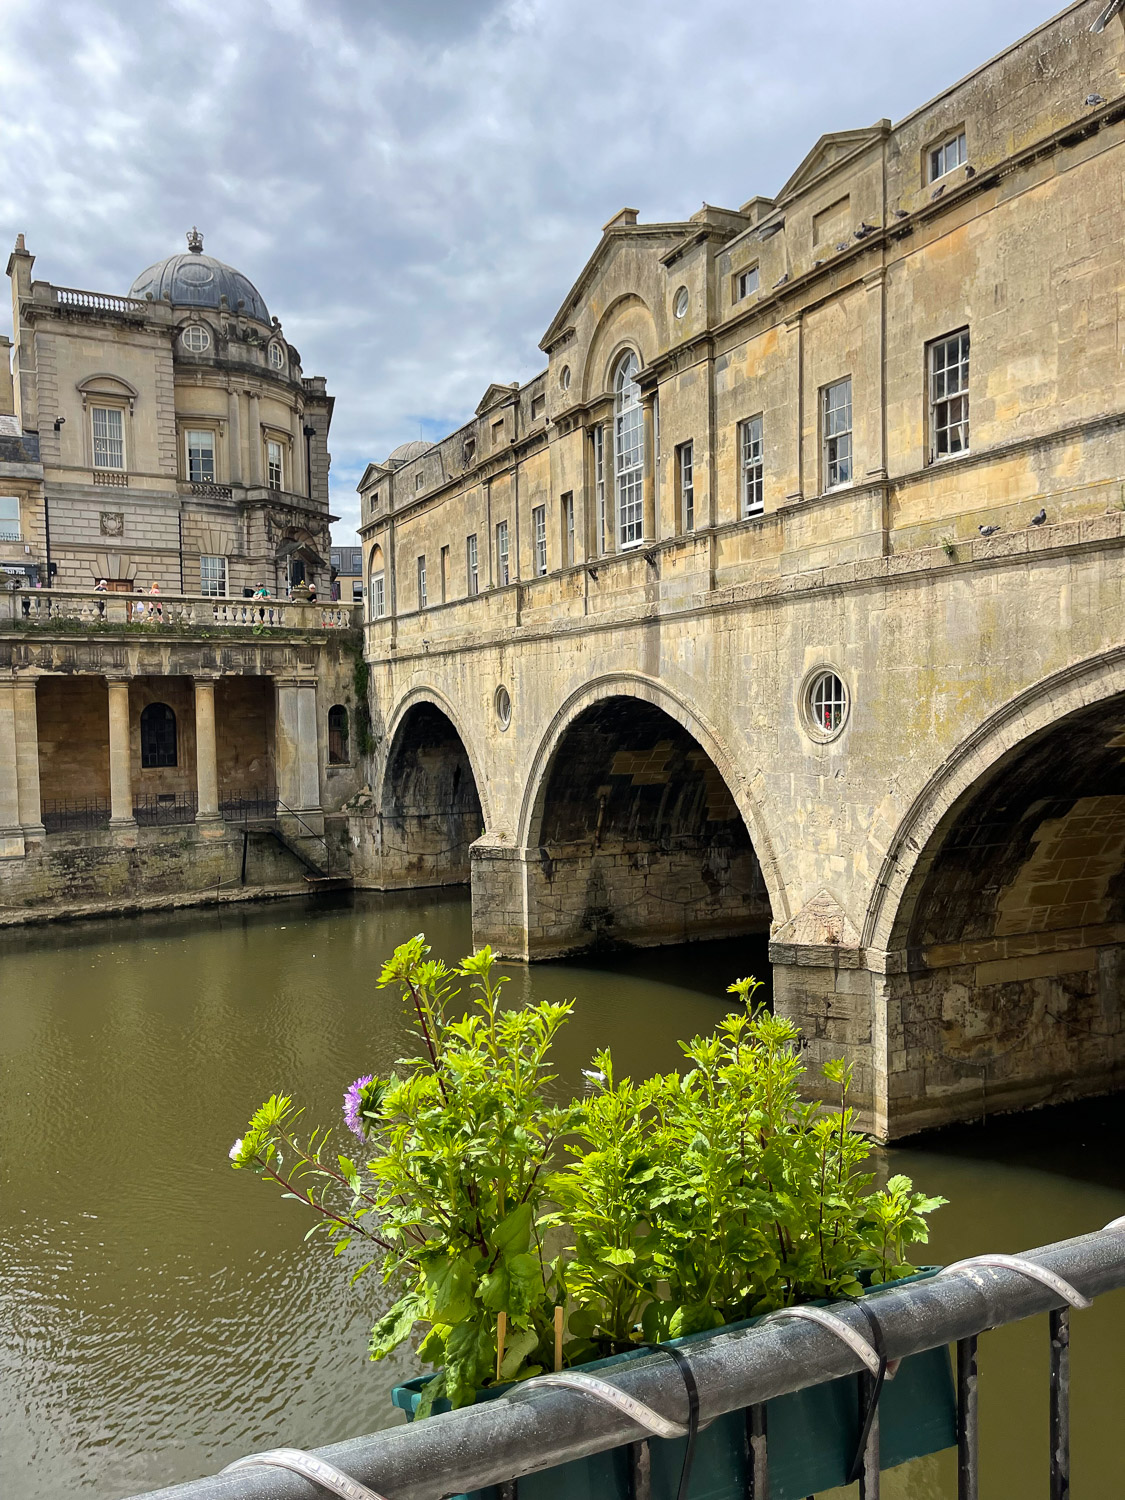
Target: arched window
(158,736)
(629,452)
(338,735)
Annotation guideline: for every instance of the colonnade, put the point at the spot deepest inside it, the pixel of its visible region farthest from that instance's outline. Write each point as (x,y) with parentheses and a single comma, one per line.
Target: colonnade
(296,756)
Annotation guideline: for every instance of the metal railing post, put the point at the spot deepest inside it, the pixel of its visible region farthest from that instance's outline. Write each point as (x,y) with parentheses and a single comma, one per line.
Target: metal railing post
(1060,1403)
(967,1430)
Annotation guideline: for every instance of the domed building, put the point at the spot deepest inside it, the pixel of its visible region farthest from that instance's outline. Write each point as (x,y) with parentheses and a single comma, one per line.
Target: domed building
(181,442)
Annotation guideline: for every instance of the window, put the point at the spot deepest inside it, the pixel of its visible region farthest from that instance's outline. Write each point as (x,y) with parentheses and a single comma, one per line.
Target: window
(470,449)
(422,581)
(378,600)
(949,395)
(277,356)
(357,590)
(538,406)
(826,705)
(419,480)
(195,338)
(338,735)
(200,456)
(602,543)
(158,736)
(443,562)
(833,225)
(564,378)
(503,702)
(947,156)
(682,302)
(539,534)
(568,529)
(685,483)
(836,429)
(745,283)
(9,518)
(275,472)
(750,466)
(213,577)
(109,437)
(472,564)
(498,431)
(629,452)
(502,553)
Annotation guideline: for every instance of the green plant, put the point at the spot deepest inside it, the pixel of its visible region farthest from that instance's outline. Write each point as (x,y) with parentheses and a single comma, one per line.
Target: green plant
(674,1204)
(361,678)
(451,1195)
(949,547)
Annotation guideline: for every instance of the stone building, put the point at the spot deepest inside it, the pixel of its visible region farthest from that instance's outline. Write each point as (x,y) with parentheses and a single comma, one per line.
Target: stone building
(789,597)
(162,460)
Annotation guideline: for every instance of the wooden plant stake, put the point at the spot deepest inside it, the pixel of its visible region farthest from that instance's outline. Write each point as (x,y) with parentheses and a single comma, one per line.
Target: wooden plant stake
(501,1335)
(558,1338)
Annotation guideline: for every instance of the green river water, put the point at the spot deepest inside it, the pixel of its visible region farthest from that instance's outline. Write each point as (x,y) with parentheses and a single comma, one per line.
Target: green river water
(159,1313)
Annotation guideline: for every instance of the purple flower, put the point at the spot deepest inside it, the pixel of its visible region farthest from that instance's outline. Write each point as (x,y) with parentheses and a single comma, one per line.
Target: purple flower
(353,1105)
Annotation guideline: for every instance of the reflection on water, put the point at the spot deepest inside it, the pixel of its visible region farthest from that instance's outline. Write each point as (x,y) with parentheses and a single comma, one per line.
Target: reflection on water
(160,1313)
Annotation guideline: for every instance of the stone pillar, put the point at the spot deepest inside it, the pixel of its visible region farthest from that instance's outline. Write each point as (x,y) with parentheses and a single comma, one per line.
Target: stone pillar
(206,763)
(297,753)
(234,443)
(11,834)
(254,440)
(498,882)
(648,531)
(120,756)
(27,759)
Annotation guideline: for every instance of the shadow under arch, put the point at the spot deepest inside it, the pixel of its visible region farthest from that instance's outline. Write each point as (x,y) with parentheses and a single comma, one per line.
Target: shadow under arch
(638,827)
(429,799)
(980,759)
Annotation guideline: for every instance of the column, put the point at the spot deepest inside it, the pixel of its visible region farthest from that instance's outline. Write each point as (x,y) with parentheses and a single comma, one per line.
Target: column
(11,834)
(299,478)
(206,761)
(648,530)
(234,440)
(120,756)
(254,440)
(27,759)
(298,758)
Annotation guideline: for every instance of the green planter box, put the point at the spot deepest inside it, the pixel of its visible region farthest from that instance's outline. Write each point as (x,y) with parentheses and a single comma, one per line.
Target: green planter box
(812,1437)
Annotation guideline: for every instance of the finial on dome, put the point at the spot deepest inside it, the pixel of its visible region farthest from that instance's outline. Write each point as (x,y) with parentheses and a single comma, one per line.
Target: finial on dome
(195,241)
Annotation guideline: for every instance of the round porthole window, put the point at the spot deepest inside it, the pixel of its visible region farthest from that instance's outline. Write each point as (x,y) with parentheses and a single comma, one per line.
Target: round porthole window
(564,378)
(503,706)
(680,305)
(196,338)
(824,704)
(277,356)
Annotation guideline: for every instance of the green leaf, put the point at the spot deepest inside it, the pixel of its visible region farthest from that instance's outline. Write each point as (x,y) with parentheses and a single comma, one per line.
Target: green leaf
(395,1327)
(694,1319)
(516,1350)
(450,1286)
(512,1235)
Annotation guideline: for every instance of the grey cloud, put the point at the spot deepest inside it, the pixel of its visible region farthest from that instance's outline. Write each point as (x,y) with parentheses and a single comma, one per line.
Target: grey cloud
(413,187)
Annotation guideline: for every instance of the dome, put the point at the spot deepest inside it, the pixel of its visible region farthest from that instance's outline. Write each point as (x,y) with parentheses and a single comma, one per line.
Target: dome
(406,451)
(198,280)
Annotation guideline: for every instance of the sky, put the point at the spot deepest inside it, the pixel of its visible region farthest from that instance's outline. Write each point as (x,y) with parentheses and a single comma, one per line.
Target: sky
(414,185)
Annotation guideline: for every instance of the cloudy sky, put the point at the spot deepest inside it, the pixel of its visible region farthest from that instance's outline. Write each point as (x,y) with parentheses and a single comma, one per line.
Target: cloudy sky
(414,184)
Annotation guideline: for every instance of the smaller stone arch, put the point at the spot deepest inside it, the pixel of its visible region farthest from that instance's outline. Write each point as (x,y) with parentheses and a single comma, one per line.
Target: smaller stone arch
(432,695)
(627,323)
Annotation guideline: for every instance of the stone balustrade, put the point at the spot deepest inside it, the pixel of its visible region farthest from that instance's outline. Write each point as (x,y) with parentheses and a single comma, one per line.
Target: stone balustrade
(43,607)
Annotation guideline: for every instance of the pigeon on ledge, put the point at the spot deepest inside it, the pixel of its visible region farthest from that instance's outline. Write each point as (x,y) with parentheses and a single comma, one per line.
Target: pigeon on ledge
(988,530)
(1040,518)
(1093,100)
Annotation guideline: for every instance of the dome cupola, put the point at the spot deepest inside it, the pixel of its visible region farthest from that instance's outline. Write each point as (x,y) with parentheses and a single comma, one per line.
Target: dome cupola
(198,280)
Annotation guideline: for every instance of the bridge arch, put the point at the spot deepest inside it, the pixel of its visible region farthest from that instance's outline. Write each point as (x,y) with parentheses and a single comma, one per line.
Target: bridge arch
(637,825)
(431,802)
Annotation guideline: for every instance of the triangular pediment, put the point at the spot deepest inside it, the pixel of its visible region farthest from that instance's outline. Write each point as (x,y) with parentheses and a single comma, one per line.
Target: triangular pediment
(820,922)
(828,154)
(493,397)
(663,237)
(371,475)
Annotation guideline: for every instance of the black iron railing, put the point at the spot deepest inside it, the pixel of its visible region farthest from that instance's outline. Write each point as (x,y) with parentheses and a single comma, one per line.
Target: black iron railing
(158,808)
(72,814)
(248,807)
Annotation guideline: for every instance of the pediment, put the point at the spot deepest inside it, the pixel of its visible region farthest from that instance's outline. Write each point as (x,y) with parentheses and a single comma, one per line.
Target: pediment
(828,154)
(663,237)
(371,475)
(820,922)
(105,384)
(493,397)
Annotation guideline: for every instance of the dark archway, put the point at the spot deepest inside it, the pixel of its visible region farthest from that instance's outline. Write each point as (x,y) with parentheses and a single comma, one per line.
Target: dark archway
(639,838)
(1011,930)
(430,808)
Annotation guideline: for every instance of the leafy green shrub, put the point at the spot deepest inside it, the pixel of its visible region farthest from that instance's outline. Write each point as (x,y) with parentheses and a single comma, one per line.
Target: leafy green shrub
(648,1209)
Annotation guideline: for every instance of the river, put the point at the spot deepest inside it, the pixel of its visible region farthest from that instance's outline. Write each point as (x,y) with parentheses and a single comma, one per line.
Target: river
(159,1313)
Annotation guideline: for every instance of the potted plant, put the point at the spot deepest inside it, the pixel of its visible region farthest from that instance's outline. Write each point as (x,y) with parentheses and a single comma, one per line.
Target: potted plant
(521,1233)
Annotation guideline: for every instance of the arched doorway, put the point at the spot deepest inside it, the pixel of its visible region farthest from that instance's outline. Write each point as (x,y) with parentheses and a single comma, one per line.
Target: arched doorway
(430,808)
(635,838)
(1010,932)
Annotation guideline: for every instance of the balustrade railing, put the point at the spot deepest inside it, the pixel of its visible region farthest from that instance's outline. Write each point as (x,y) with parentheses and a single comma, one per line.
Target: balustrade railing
(44,606)
(157,809)
(74,814)
(70,296)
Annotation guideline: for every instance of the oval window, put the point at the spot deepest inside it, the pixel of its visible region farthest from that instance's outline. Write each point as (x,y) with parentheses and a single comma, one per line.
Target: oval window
(196,338)
(564,378)
(503,706)
(825,705)
(680,305)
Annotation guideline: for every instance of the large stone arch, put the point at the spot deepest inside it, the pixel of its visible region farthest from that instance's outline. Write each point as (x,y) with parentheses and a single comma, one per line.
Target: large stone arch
(432,695)
(627,323)
(997,741)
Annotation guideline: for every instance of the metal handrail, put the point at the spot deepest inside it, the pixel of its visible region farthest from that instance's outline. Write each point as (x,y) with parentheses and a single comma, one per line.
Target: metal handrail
(312,833)
(536,1426)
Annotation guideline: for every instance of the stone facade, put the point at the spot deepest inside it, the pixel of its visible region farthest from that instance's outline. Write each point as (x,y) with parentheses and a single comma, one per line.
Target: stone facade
(827,490)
